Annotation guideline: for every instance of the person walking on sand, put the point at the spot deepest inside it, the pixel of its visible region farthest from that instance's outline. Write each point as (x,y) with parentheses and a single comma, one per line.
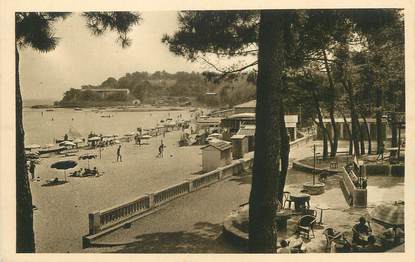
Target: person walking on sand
(161,150)
(32,169)
(119,157)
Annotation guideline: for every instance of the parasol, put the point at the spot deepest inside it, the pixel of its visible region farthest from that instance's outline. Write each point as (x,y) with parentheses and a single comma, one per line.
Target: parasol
(87,156)
(64,165)
(392,214)
(67,143)
(94,138)
(33,146)
(77,141)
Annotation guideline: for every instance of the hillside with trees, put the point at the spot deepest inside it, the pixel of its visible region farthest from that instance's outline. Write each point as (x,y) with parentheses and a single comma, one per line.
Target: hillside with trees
(152,88)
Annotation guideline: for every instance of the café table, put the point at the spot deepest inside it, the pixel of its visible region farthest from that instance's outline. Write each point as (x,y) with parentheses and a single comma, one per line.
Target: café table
(321,207)
(300,200)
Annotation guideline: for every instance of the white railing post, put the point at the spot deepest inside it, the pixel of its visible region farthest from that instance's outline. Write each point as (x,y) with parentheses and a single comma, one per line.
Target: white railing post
(94,222)
(150,200)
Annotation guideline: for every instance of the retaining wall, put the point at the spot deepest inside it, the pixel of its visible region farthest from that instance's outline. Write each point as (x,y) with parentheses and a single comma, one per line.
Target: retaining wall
(355,197)
(105,221)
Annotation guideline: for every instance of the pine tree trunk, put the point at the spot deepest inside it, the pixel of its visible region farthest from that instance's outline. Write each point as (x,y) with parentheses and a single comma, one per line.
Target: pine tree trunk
(334,145)
(379,135)
(25,242)
(362,139)
(394,138)
(263,196)
(349,134)
(285,153)
(326,135)
(369,139)
(353,115)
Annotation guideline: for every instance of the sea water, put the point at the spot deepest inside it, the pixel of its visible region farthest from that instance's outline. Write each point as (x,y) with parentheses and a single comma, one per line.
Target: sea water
(43,127)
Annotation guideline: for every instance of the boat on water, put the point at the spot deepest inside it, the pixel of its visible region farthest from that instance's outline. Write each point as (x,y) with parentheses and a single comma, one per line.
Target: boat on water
(78,109)
(106,116)
(49,110)
(60,140)
(51,150)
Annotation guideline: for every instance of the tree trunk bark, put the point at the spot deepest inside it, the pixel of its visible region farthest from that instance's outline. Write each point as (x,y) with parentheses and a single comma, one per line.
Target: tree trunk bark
(394,138)
(349,134)
(326,135)
(335,143)
(369,139)
(362,138)
(25,242)
(353,115)
(285,153)
(263,196)
(379,135)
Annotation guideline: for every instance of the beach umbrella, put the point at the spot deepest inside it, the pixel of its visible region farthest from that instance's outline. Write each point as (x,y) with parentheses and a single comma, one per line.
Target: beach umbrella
(77,141)
(33,146)
(94,138)
(64,165)
(391,214)
(87,156)
(67,143)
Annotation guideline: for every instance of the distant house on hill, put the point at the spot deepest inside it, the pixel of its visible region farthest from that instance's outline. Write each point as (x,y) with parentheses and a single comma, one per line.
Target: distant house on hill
(105,92)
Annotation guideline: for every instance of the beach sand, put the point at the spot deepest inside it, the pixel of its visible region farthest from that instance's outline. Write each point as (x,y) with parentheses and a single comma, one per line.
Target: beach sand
(61,218)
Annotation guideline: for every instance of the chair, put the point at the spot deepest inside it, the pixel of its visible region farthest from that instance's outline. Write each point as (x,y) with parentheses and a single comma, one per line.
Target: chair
(287,199)
(305,225)
(311,212)
(336,237)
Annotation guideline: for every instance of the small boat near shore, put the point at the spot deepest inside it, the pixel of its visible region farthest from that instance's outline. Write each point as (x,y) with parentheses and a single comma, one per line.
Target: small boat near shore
(51,150)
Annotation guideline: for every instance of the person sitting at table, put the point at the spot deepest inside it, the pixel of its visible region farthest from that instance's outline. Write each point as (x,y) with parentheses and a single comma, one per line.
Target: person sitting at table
(392,234)
(361,233)
(284,249)
(371,245)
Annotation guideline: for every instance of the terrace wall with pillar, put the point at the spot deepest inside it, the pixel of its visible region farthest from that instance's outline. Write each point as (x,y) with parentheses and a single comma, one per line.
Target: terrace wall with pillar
(344,134)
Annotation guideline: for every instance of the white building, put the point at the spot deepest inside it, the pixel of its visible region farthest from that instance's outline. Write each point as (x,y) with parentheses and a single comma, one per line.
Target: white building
(216,154)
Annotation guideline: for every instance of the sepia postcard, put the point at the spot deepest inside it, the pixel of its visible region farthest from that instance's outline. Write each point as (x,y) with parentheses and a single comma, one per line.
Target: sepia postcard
(173,130)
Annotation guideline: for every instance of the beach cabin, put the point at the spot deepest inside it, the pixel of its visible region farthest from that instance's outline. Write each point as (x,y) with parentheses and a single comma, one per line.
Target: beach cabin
(216,154)
(248,131)
(239,146)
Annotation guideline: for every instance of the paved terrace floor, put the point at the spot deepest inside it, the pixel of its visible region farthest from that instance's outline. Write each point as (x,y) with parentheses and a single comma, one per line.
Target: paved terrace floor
(193,223)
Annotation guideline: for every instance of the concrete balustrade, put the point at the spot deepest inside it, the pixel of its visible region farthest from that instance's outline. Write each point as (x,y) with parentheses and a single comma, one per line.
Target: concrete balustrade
(356,197)
(104,221)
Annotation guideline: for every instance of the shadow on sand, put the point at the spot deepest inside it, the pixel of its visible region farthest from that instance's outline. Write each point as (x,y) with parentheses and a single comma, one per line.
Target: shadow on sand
(204,238)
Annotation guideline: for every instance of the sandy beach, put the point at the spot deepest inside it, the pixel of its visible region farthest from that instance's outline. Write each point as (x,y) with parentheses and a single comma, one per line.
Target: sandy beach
(61,218)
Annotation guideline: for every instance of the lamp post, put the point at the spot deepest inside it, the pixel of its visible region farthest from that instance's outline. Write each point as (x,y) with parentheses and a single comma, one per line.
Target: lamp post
(314,171)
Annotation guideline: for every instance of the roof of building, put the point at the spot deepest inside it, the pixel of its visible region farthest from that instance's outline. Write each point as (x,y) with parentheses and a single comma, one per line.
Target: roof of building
(248,130)
(243,116)
(218,144)
(250,104)
(251,116)
(238,136)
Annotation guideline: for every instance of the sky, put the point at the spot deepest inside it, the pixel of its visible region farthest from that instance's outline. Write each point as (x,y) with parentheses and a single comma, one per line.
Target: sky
(81,58)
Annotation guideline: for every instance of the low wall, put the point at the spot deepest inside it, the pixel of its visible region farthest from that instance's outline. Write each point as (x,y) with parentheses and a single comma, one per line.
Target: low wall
(104,221)
(355,197)
(385,170)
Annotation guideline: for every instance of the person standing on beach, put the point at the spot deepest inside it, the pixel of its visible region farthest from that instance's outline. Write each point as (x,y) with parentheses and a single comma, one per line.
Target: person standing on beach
(161,150)
(119,157)
(32,169)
